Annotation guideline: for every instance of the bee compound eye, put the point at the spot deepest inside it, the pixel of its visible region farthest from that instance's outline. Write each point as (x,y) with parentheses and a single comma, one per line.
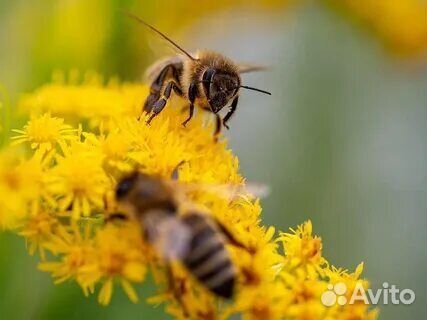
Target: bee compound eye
(123,187)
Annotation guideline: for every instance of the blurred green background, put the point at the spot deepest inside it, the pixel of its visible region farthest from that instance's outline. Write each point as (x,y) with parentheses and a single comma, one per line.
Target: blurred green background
(342,141)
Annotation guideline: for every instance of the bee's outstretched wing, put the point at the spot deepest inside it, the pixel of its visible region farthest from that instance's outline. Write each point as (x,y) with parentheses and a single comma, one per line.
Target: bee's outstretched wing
(233,191)
(169,236)
(250,67)
(229,191)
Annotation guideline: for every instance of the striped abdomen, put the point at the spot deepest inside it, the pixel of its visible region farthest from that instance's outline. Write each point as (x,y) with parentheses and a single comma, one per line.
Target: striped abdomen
(208,259)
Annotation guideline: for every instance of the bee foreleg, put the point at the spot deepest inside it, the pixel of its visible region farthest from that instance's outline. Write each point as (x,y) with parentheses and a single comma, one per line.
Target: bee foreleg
(233,108)
(160,104)
(192,94)
(218,126)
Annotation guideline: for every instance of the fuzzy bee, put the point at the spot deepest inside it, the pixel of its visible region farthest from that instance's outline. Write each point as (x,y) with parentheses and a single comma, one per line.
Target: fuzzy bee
(195,238)
(207,79)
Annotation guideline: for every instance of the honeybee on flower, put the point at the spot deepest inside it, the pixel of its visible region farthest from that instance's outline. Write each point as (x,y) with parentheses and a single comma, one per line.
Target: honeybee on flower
(207,79)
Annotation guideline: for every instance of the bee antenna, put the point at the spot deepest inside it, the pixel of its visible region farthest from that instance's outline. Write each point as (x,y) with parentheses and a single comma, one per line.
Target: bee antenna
(135,17)
(175,173)
(256,89)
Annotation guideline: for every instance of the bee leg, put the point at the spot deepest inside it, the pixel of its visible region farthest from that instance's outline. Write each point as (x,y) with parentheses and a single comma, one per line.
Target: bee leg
(192,94)
(190,115)
(169,71)
(115,217)
(157,108)
(175,173)
(155,89)
(160,104)
(230,113)
(218,127)
(177,290)
(230,237)
(149,102)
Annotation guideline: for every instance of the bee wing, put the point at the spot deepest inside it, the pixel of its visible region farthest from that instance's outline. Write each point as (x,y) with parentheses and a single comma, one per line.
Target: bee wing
(167,234)
(259,190)
(230,191)
(154,70)
(250,67)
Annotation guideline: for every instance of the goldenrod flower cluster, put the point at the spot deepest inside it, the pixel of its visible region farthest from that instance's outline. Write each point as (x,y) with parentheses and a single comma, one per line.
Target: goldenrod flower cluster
(401,24)
(57,183)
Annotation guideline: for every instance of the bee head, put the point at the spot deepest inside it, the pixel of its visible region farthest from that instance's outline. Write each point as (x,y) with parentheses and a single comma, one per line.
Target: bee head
(220,88)
(143,192)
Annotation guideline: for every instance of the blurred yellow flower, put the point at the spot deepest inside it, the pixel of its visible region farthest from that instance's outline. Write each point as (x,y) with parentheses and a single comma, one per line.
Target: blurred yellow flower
(91,101)
(73,247)
(119,254)
(279,277)
(401,24)
(37,230)
(20,182)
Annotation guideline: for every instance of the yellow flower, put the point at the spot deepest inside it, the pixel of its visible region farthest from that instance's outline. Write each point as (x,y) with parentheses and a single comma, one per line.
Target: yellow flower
(302,249)
(114,147)
(78,181)
(278,277)
(44,133)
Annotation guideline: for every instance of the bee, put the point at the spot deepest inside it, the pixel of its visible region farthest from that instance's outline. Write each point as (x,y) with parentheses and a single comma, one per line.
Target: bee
(194,238)
(207,79)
